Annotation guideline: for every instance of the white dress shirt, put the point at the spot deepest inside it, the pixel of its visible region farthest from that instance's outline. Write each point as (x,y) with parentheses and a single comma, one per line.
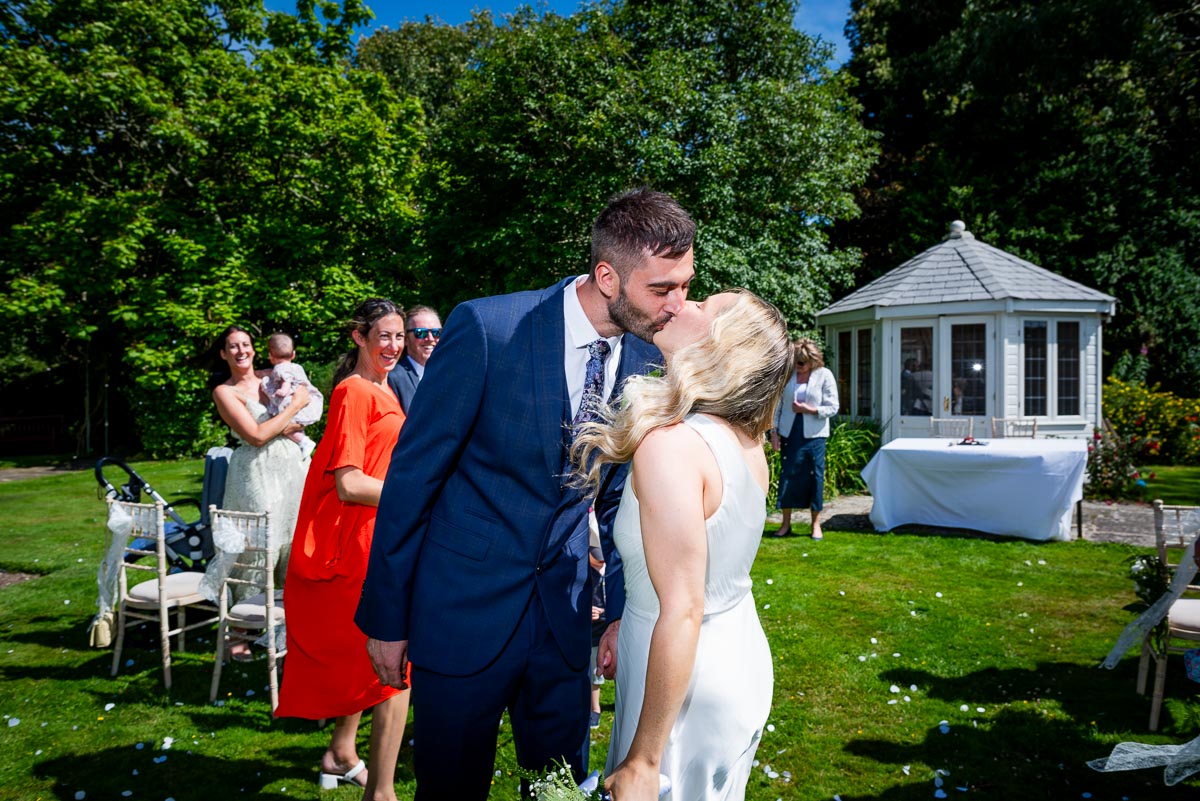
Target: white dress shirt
(580,333)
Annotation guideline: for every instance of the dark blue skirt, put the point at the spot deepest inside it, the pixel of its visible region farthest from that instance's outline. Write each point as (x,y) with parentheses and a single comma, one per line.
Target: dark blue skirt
(802,472)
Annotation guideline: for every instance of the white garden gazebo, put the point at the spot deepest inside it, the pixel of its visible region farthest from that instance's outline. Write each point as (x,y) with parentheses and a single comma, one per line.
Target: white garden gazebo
(967,330)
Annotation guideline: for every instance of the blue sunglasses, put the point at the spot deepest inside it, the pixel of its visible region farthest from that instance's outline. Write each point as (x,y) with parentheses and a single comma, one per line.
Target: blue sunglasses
(426,333)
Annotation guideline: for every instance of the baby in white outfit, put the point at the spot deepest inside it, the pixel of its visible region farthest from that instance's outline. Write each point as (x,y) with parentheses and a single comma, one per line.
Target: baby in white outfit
(281,382)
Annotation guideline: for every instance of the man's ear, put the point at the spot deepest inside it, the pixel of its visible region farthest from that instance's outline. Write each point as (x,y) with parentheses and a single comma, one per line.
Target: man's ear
(607,279)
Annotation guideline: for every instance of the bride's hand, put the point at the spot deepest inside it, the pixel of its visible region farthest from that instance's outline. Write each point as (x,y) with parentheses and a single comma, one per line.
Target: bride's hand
(633,781)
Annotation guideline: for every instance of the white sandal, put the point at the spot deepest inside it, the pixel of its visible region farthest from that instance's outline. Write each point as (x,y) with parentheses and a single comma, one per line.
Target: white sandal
(330,781)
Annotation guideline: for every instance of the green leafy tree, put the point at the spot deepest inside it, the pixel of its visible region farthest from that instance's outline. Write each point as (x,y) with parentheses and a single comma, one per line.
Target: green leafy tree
(1063,131)
(163,174)
(723,104)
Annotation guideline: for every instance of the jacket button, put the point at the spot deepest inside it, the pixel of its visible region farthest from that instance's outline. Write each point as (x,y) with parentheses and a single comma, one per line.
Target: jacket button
(538,570)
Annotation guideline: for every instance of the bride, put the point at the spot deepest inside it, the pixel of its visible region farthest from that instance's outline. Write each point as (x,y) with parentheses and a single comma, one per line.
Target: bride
(694,679)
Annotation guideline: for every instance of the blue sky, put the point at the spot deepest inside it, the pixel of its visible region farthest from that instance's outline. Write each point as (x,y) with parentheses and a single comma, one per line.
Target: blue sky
(824,18)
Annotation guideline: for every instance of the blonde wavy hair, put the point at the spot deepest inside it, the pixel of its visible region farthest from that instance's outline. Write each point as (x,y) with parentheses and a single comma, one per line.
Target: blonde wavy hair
(737,373)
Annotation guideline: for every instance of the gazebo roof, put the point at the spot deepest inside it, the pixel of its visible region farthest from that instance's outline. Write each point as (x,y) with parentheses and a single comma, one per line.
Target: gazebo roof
(961,268)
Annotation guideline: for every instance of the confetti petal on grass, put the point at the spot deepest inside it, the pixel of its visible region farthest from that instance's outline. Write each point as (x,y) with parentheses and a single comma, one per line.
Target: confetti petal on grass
(67,601)
(907,770)
(944,727)
(937,595)
(937,780)
(978,709)
(841,592)
(768,606)
(168,742)
(874,641)
(770,581)
(80,795)
(109,706)
(939,793)
(912,688)
(770,727)
(896,654)
(907,699)
(126,793)
(1042,562)
(249,693)
(894,689)
(13,722)
(862,659)
(892,701)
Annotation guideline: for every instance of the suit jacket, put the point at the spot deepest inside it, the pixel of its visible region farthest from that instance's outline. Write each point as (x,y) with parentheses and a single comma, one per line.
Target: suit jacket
(822,393)
(403,380)
(475,516)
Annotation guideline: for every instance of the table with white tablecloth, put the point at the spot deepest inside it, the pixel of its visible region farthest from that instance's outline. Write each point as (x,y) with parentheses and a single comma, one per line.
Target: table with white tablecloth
(1014,487)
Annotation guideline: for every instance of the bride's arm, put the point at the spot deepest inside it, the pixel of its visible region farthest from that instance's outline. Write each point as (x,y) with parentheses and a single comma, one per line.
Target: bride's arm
(669,471)
(235,414)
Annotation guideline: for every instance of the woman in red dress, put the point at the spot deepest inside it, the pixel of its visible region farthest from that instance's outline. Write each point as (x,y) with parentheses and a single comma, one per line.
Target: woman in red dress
(328,673)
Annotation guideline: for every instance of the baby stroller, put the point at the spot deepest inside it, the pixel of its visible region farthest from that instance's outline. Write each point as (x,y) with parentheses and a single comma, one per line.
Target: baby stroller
(189,545)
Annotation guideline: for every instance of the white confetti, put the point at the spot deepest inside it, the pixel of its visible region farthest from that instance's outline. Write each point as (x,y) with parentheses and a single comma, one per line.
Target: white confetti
(907,699)
(13,722)
(939,793)
(158,760)
(126,793)
(109,706)
(1042,562)
(907,770)
(770,581)
(135,772)
(1020,584)
(168,742)
(770,727)
(862,659)
(912,688)
(249,693)
(67,601)
(937,780)
(892,701)
(80,795)
(978,709)
(937,595)
(944,727)
(772,775)
(896,654)
(964,708)
(874,641)
(841,592)
(894,689)
(497,772)
(768,606)
(913,613)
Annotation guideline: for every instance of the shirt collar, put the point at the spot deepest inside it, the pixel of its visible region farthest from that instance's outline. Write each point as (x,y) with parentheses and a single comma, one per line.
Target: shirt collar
(580,331)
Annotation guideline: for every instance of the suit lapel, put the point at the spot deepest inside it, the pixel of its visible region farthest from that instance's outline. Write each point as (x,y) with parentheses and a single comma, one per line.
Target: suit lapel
(549,383)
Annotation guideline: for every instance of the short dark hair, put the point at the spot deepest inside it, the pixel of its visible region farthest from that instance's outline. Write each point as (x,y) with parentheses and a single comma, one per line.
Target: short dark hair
(637,223)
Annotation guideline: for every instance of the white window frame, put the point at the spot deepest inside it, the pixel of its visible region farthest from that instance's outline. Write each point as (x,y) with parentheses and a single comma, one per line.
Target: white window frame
(1051,321)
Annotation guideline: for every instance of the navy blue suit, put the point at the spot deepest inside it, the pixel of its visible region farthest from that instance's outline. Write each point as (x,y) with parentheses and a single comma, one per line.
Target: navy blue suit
(403,380)
(479,557)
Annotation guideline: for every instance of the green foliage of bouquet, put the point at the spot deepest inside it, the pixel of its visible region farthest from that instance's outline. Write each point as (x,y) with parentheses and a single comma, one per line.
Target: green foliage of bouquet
(558,784)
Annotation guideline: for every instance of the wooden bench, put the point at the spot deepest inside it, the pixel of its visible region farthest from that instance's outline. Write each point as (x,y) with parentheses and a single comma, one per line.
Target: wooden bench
(29,434)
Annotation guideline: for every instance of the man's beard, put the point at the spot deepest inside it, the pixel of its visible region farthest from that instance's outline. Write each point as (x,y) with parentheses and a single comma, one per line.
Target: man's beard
(633,319)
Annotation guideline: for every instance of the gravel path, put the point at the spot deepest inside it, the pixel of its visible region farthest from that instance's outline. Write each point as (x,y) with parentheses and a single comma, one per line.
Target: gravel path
(1130,523)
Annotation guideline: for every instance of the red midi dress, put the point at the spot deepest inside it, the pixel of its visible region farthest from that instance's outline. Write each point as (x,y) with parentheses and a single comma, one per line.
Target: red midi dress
(327,672)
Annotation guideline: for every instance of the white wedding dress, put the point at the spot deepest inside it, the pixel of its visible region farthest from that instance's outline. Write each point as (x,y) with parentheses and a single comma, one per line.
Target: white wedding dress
(261,479)
(711,748)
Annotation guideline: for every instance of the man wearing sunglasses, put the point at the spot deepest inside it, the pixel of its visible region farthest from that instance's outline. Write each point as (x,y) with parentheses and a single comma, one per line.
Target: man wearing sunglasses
(422,330)
(479,562)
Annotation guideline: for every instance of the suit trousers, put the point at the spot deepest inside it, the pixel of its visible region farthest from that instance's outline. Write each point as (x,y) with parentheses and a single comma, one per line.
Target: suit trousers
(457,718)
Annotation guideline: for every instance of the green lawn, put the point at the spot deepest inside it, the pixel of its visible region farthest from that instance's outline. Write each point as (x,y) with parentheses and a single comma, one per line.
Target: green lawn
(999,639)
(1179,484)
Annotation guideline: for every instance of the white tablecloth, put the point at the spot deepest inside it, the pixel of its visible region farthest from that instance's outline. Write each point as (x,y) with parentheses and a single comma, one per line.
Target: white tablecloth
(1015,487)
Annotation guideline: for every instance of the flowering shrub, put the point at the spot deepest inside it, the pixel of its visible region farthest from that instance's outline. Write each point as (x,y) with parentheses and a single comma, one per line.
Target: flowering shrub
(1111,472)
(1166,427)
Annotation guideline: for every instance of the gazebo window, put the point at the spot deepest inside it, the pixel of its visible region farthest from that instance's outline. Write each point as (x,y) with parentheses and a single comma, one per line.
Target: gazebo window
(1053,367)
(863,397)
(845,366)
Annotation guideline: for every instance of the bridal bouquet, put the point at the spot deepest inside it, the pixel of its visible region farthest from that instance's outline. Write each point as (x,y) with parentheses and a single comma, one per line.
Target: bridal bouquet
(559,785)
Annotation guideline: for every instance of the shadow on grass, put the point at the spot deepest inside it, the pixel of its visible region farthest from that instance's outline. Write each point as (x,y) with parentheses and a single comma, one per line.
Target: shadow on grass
(1074,714)
(180,774)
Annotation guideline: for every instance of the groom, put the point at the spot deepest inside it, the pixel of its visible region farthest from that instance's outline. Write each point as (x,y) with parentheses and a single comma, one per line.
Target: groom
(478,568)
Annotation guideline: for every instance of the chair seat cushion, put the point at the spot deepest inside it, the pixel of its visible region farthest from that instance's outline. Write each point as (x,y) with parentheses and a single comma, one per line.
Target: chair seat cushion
(253,610)
(1185,617)
(181,588)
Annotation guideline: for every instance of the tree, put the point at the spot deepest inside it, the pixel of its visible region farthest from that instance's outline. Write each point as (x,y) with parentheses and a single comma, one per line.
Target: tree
(1062,131)
(163,175)
(722,104)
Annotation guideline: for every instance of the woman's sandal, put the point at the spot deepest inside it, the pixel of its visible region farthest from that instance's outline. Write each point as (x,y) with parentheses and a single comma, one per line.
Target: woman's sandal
(783,532)
(330,781)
